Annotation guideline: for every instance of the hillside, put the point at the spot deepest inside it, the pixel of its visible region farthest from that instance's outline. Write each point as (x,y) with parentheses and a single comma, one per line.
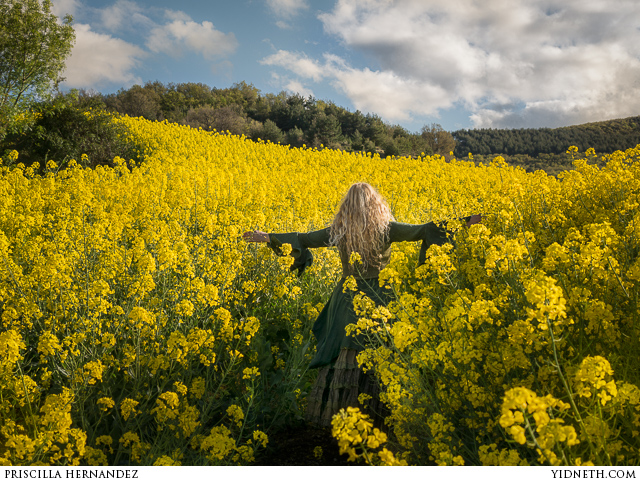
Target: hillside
(604,137)
(294,120)
(60,130)
(545,148)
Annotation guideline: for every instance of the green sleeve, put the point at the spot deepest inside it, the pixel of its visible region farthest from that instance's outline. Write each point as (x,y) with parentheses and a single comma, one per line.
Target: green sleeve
(429,234)
(316,238)
(300,244)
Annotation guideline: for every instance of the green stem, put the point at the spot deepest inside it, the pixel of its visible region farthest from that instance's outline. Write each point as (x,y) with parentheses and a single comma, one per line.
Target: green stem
(569,392)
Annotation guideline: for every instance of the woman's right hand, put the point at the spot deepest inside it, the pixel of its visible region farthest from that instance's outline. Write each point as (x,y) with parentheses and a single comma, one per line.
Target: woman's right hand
(256,236)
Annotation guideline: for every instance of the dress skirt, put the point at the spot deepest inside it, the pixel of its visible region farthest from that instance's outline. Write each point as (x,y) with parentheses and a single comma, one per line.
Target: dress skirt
(337,314)
(338,386)
(340,380)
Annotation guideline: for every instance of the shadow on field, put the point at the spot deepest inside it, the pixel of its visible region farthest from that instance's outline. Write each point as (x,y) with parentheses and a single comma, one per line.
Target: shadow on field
(298,446)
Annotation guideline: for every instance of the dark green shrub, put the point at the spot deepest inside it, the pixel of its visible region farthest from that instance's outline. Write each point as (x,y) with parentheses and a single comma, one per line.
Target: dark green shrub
(67,127)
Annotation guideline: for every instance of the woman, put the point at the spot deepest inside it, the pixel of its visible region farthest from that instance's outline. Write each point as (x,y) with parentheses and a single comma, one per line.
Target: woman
(363,225)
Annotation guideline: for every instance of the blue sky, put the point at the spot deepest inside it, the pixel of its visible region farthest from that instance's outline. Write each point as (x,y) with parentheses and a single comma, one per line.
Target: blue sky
(459,63)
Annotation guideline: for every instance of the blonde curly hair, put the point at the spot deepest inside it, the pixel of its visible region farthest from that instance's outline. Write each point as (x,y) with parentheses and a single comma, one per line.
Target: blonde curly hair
(362,224)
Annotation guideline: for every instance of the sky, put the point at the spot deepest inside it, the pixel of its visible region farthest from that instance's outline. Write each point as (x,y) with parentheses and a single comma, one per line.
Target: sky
(459,63)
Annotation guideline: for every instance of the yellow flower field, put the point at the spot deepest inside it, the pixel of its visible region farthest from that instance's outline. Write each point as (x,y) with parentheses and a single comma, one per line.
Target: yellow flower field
(138,328)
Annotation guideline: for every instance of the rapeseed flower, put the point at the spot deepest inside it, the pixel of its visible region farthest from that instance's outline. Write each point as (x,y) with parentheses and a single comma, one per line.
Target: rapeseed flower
(132,279)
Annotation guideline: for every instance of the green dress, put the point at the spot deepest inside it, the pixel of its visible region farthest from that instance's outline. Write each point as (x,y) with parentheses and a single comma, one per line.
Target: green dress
(340,380)
(329,327)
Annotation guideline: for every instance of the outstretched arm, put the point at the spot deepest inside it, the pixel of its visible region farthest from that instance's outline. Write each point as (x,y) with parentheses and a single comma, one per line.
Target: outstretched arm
(429,233)
(318,238)
(300,243)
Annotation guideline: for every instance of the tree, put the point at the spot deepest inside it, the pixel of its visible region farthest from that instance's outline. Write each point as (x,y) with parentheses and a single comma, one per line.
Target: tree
(439,140)
(375,129)
(201,117)
(295,137)
(196,94)
(33,50)
(267,131)
(136,102)
(289,111)
(326,130)
(230,118)
(174,106)
(357,141)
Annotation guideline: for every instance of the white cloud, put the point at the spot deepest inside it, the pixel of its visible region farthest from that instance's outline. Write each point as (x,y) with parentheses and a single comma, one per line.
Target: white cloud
(124,14)
(510,63)
(283,25)
(60,8)
(297,63)
(382,92)
(177,15)
(287,8)
(389,95)
(97,59)
(182,33)
(296,87)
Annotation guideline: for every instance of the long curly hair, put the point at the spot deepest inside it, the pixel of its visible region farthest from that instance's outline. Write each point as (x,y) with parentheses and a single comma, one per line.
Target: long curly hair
(362,224)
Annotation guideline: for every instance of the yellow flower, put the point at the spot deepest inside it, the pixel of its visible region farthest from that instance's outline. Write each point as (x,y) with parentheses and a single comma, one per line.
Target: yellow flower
(132,277)
(185,308)
(198,387)
(11,344)
(137,448)
(180,388)
(49,344)
(128,408)
(105,403)
(166,461)
(349,284)
(250,373)
(93,371)
(218,444)
(595,376)
(236,414)
(261,438)
(166,407)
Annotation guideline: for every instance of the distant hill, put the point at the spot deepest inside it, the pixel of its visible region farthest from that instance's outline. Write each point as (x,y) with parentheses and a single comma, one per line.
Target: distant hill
(604,137)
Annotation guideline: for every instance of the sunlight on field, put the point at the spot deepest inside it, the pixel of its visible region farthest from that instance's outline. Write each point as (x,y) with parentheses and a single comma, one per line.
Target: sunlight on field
(138,328)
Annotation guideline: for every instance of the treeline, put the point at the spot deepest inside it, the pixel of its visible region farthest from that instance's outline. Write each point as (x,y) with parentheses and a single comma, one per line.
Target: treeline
(604,137)
(545,148)
(288,119)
